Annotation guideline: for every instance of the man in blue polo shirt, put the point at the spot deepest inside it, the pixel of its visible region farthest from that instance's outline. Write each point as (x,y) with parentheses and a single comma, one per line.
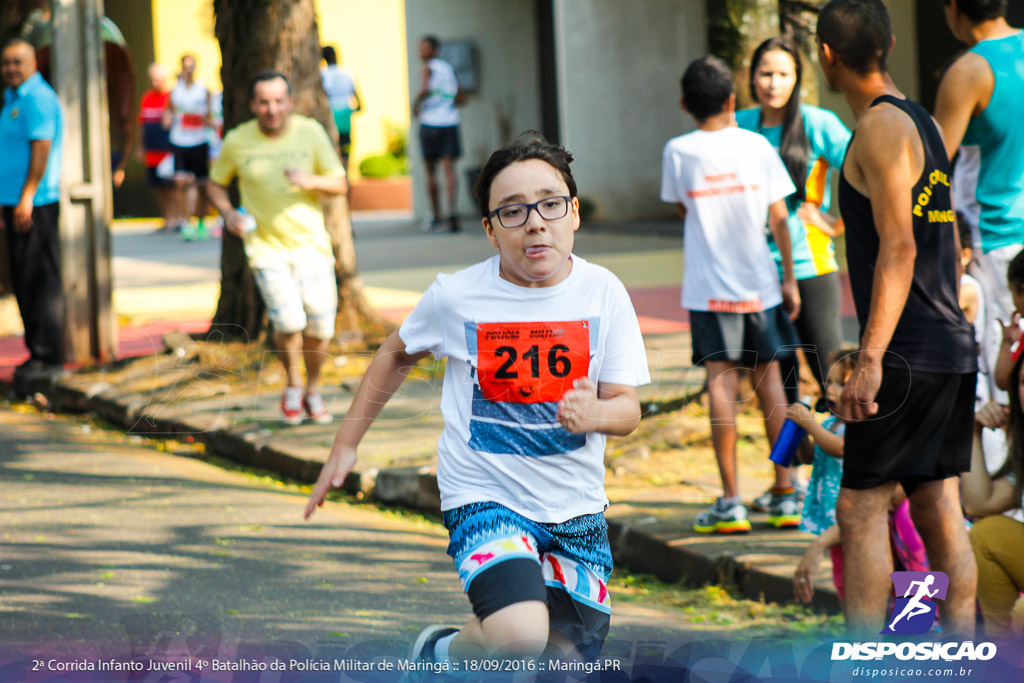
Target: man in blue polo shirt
(31,133)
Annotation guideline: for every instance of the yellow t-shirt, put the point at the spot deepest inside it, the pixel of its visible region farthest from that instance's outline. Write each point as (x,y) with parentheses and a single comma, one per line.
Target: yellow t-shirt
(290,221)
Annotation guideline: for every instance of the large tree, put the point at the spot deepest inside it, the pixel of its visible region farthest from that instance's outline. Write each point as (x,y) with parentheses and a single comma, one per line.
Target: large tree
(282,35)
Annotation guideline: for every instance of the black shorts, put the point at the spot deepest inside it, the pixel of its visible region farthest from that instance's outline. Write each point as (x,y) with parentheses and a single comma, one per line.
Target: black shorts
(746,339)
(345,142)
(440,142)
(923,431)
(194,160)
(154,180)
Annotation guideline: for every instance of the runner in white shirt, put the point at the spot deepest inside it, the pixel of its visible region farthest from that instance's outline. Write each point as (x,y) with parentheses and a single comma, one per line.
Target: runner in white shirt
(544,355)
(724,182)
(439,129)
(187,117)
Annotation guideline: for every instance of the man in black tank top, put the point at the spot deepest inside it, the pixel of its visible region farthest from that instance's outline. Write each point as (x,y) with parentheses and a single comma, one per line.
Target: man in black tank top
(910,400)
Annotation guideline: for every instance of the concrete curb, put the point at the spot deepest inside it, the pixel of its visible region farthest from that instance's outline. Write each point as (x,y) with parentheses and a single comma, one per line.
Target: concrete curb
(409,487)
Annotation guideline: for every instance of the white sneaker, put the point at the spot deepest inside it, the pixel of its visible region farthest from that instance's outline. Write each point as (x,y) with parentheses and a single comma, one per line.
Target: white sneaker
(291,405)
(315,409)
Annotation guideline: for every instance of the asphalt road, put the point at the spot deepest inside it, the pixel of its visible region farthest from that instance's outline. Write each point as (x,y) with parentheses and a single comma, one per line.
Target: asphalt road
(111,547)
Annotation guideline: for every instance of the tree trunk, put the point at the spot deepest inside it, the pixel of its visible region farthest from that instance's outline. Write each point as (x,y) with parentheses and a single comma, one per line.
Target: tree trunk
(282,35)
(798,20)
(735,29)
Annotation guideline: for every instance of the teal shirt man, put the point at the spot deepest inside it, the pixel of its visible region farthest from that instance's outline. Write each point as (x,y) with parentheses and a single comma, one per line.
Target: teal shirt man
(31,112)
(998,132)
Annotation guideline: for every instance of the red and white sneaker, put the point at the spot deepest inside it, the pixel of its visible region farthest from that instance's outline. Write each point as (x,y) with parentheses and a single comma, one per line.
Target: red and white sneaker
(315,408)
(291,405)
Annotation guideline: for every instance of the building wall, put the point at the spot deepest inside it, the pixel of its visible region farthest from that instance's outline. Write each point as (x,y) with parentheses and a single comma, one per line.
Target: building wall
(505,32)
(618,80)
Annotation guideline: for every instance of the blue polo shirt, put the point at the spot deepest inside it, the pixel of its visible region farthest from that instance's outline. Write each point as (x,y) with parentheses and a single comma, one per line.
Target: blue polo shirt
(31,112)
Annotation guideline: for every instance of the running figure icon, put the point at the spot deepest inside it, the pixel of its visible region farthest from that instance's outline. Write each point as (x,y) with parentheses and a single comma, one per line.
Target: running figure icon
(915,607)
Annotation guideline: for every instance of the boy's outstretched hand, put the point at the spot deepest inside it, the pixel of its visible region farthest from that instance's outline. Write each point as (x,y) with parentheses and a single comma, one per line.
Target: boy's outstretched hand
(332,476)
(572,409)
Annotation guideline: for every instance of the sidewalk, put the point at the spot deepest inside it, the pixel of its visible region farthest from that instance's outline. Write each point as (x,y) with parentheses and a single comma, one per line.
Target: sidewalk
(185,392)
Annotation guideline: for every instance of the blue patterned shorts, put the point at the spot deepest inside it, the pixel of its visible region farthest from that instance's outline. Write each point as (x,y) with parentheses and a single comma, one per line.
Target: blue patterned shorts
(504,558)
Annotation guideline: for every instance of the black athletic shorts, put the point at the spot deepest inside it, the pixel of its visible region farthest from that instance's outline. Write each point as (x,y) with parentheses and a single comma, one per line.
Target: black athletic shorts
(154,180)
(923,431)
(194,160)
(747,339)
(440,142)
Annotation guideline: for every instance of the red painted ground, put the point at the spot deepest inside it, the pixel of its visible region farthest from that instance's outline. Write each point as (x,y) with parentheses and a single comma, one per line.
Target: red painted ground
(134,340)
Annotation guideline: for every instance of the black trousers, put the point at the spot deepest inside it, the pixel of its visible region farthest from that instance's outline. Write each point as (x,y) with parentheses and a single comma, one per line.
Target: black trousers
(35,270)
(819,329)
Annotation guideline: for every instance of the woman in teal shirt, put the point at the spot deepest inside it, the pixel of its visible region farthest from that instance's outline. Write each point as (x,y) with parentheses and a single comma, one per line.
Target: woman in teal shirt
(812,142)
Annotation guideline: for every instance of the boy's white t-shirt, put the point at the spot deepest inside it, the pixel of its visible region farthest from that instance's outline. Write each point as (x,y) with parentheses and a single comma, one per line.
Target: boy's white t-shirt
(726,179)
(512,353)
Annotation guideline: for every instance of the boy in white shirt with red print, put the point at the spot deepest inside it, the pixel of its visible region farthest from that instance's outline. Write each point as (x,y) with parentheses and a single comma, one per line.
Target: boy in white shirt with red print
(544,356)
(724,182)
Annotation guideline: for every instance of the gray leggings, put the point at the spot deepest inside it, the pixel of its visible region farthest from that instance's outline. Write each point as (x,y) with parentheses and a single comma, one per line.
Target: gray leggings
(818,328)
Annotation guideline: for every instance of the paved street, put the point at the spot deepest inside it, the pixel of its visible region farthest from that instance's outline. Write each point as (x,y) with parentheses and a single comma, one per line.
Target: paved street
(108,545)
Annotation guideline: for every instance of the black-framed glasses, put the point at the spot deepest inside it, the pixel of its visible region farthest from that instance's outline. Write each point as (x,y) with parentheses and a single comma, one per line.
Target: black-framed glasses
(516,215)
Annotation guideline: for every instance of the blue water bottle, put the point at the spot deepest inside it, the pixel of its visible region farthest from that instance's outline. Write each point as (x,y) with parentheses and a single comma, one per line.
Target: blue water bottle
(786,444)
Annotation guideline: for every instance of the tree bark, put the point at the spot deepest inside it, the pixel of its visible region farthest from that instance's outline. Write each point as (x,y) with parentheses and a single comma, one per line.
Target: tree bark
(735,29)
(797,21)
(282,35)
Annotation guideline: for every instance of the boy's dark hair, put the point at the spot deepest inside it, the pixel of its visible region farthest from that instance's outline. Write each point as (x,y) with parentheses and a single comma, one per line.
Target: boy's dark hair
(1015,271)
(529,145)
(329,55)
(963,228)
(859,32)
(434,41)
(981,10)
(794,148)
(267,75)
(706,86)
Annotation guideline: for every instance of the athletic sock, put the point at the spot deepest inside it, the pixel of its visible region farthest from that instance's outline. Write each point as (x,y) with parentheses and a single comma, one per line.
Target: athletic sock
(441,647)
(726,503)
(783,491)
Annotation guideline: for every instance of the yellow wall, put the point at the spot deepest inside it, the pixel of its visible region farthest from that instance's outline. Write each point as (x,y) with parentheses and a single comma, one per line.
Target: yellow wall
(369,36)
(181,26)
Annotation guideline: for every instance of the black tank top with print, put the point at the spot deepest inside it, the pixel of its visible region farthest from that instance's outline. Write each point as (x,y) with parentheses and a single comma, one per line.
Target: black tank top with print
(932,334)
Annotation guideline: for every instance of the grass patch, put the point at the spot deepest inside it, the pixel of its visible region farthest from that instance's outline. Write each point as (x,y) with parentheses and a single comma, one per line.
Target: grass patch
(716,608)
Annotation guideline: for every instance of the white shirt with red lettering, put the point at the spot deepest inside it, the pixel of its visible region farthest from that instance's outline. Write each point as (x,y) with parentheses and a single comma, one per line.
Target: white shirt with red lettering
(512,352)
(191,107)
(726,179)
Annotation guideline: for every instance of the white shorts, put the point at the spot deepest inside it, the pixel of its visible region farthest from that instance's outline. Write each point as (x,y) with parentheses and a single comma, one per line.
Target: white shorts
(300,297)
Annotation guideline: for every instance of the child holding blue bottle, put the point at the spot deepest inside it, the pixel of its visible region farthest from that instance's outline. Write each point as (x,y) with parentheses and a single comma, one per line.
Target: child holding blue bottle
(819,512)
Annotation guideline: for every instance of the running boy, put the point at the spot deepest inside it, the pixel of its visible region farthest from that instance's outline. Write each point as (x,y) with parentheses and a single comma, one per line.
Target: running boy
(724,182)
(544,356)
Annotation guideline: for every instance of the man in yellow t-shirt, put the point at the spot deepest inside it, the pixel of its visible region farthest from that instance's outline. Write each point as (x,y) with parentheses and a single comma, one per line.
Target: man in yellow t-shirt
(283,162)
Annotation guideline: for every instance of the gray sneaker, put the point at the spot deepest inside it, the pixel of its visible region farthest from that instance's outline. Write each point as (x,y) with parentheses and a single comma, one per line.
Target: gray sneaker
(422,649)
(714,520)
(763,503)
